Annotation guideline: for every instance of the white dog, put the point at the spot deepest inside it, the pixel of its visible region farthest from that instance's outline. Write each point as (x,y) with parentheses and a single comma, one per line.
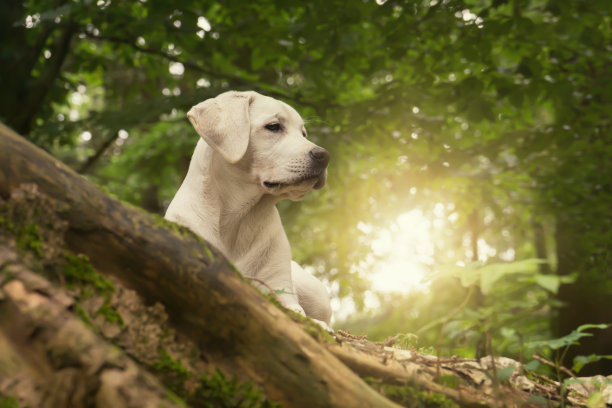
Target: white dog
(253,152)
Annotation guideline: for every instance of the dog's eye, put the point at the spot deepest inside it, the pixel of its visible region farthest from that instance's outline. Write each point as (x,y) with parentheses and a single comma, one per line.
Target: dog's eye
(273,127)
(304,134)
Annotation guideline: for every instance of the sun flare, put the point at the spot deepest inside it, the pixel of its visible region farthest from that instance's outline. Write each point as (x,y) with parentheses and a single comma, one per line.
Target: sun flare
(404,251)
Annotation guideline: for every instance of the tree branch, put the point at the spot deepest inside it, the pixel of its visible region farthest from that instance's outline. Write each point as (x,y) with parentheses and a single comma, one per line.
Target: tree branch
(93,159)
(237,80)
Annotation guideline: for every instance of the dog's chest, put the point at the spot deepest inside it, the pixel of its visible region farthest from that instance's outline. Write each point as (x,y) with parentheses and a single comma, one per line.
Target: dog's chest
(256,244)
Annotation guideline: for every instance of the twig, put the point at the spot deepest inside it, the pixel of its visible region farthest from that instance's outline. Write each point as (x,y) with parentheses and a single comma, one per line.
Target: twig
(91,160)
(553,365)
(562,368)
(493,365)
(454,312)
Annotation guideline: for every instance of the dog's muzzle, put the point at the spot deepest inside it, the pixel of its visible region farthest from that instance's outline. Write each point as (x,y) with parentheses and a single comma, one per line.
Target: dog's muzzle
(319,156)
(316,173)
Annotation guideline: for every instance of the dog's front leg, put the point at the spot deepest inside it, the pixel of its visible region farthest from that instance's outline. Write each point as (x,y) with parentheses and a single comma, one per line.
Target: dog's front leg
(286,294)
(277,280)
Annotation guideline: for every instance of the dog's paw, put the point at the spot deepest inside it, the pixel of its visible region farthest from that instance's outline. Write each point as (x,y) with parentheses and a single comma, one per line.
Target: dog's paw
(296,309)
(324,325)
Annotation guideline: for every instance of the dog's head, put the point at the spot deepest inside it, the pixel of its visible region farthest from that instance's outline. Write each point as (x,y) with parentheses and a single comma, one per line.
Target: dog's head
(264,138)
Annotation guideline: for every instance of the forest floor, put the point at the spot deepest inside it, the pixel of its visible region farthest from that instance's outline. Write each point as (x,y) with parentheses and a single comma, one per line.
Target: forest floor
(497,381)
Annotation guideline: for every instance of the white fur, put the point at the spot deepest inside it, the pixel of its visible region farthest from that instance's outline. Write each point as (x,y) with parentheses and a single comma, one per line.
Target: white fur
(239,171)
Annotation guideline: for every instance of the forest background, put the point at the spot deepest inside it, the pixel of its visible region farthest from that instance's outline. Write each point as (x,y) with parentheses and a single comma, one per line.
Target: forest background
(470,187)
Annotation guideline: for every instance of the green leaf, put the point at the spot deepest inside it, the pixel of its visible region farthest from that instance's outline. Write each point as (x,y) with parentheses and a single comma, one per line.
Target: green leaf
(532,365)
(505,373)
(581,361)
(570,339)
(548,282)
(490,274)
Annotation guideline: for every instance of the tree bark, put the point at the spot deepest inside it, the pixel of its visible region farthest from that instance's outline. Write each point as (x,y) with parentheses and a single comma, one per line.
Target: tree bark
(204,295)
(50,358)
(584,301)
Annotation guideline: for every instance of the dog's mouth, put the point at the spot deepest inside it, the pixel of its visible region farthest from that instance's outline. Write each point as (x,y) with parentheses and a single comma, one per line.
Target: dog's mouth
(318,180)
(271,185)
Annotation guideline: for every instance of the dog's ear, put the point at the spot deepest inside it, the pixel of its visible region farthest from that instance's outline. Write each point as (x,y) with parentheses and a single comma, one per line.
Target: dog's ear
(223,122)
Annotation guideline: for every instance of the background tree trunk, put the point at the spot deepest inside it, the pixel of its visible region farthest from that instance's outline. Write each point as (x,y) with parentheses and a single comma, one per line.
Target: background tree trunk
(585,301)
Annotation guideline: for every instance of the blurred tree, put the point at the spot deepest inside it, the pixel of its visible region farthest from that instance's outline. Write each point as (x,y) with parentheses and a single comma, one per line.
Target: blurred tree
(500,107)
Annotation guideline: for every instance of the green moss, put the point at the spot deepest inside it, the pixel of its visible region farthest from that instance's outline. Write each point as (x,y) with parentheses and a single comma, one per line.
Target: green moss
(449,381)
(173,373)
(9,402)
(83,315)
(6,223)
(311,327)
(212,390)
(411,396)
(78,271)
(182,231)
(216,390)
(30,240)
(174,399)
(110,315)
(174,227)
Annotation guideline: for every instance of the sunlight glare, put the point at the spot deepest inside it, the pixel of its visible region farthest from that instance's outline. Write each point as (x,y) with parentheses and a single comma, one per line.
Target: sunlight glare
(405,250)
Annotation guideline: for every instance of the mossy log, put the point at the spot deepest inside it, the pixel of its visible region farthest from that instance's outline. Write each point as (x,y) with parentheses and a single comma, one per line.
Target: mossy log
(205,297)
(66,364)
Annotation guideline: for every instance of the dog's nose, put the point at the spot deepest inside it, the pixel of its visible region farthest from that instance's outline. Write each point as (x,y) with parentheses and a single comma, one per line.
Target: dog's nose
(320,156)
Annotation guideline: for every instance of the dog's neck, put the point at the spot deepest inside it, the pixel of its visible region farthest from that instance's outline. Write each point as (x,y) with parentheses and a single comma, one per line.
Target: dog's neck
(227,201)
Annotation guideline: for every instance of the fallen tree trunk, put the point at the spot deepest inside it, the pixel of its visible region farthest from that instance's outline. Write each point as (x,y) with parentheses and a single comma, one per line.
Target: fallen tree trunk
(206,298)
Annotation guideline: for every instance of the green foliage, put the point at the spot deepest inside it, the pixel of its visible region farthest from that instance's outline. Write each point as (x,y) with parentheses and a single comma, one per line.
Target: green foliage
(504,373)
(488,309)
(571,339)
(562,345)
(407,340)
(581,361)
